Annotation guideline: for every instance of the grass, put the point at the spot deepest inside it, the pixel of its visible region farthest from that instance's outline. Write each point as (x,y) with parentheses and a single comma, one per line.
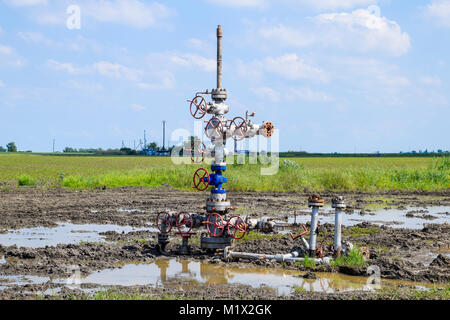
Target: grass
(254,235)
(356,232)
(115,295)
(413,294)
(353,259)
(309,262)
(303,174)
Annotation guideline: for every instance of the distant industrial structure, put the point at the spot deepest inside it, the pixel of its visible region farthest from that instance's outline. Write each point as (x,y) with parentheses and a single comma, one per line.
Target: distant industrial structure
(153,151)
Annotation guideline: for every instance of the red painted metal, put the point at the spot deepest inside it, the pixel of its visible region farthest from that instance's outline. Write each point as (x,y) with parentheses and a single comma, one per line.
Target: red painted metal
(199,183)
(198,107)
(238,228)
(163,217)
(214,225)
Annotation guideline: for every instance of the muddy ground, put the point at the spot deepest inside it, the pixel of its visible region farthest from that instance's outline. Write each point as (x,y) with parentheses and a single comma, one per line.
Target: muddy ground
(405,254)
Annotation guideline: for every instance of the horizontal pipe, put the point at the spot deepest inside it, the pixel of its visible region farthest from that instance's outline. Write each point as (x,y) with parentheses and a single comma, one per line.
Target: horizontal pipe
(290,257)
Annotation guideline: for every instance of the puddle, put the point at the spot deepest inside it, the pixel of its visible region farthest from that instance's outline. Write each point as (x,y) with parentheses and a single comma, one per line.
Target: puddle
(395,218)
(188,274)
(9,281)
(64,233)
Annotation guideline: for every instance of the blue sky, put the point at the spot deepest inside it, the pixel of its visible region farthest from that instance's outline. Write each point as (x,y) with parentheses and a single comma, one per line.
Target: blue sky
(333,76)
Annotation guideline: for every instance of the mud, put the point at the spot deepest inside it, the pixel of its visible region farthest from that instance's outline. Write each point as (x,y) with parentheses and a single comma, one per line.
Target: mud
(417,255)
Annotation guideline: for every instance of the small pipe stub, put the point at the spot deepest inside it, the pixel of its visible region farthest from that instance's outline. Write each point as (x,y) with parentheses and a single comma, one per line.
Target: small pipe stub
(338,202)
(316,200)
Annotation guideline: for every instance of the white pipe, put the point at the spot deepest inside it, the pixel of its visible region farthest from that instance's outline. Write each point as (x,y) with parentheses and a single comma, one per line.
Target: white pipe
(338,230)
(290,257)
(313,235)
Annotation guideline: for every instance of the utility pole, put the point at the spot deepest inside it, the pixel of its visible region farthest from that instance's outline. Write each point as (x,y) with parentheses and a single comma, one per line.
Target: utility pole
(145,140)
(53,145)
(164,135)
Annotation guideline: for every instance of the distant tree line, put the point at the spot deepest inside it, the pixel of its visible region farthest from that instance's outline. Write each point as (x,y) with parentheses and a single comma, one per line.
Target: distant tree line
(10,147)
(114,152)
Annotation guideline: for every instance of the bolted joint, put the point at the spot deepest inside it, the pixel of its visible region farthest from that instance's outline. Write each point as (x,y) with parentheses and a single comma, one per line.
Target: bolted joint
(316,200)
(338,202)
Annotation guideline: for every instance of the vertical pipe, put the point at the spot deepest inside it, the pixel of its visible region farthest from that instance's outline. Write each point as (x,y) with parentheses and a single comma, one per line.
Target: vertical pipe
(219,57)
(313,235)
(338,230)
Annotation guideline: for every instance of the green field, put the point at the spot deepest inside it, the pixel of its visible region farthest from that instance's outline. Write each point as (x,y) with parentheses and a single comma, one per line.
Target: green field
(314,174)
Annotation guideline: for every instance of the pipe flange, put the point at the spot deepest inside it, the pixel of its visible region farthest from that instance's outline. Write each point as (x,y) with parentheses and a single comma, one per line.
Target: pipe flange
(219,94)
(316,200)
(338,202)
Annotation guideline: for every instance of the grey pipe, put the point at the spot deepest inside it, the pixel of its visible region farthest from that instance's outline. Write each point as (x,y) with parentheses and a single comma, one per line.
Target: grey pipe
(219,57)
(338,230)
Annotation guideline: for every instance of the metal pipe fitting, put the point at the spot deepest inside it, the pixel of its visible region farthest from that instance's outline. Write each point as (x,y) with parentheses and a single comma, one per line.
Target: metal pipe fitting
(290,257)
(339,204)
(315,202)
(219,56)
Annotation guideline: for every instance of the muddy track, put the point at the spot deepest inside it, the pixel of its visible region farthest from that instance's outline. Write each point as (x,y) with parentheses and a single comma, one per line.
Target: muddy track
(33,207)
(416,255)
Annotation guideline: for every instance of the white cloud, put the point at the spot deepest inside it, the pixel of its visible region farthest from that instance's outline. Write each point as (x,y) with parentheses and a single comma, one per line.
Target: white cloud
(290,94)
(35,37)
(301,4)
(26,3)
(430,81)
(166,80)
(5,50)
(241,3)
(194,60)
(292,67)
(439,11)
(104,68)
(266,93)
(65,67)
(308,94)
(287,36)
(138,107)
(288,66)
(2,84)
(117,71)
(330,4)
(364,31)
(200,45)
(359,31)
(84,86)
(132,13)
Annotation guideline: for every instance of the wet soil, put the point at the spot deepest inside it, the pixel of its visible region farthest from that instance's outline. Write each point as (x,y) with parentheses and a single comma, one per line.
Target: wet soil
(406,254)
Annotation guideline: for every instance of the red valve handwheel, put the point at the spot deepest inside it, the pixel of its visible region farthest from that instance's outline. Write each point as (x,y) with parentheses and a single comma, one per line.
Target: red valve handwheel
(198,107)
(214,125)
(184,219)
(236,227)
(163,217)
(214,225)
(240,126)
(199,183)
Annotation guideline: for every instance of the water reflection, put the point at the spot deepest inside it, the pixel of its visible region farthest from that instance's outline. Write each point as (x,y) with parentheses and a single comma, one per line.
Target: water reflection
(189,274)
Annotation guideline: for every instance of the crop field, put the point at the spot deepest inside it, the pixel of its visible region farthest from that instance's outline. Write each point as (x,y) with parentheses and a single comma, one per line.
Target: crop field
(310,174)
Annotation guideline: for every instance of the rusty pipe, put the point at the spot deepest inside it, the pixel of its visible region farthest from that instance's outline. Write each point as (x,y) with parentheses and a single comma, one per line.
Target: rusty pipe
(219,56)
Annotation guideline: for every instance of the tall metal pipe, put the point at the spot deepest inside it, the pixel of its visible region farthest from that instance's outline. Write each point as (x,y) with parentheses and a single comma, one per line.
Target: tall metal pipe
(339,204)
(313,235)
(219,57)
